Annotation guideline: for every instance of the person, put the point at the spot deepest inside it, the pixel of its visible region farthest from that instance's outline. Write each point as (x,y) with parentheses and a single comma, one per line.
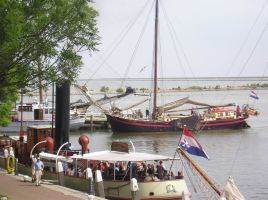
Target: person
(171,176)
(34,159)
(38,166)
(160,170)
(147,113)
(148,177)
(180,175)
(238,111)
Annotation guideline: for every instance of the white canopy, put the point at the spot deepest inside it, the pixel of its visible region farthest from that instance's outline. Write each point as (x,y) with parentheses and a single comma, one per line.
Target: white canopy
(114,156)
(50,156)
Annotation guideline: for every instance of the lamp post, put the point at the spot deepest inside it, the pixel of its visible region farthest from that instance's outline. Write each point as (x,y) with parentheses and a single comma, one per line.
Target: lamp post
(59,167)
(59,152)
(44,141)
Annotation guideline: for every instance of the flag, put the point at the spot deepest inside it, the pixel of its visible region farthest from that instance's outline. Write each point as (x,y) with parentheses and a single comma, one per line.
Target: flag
(253,95)
(191,145)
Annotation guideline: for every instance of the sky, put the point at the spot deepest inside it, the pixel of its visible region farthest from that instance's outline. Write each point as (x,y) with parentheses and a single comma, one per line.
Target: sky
(205,38)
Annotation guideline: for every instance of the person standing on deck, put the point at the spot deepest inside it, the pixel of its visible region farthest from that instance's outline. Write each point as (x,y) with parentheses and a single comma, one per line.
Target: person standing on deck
(238,111)
(147,113)
(38,166)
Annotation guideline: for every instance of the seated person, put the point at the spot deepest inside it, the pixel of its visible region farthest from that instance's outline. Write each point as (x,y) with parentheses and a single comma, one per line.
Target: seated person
(148,178)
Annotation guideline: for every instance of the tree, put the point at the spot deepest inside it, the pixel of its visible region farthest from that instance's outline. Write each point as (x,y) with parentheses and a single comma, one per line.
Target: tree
(104,89)
(41,40)
(119,90)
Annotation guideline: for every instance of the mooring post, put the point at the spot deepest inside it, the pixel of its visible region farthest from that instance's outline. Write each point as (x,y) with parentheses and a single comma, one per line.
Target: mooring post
(100,186)
(134,187)
(5,159)
(89,176)
(16,167)
(61,173)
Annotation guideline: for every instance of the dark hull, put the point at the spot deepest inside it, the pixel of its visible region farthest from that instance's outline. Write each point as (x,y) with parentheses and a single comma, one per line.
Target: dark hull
(225,124)
(123,125)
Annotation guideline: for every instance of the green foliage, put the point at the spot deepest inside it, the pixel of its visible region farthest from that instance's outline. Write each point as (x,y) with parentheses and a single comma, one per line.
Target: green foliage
(42,40)
(9,96)
(119,90)
(195,88)
(104,89)
(217,87)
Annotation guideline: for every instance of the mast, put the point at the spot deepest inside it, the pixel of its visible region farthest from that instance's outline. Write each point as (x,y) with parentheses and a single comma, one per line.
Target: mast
(199,170)
(155,59)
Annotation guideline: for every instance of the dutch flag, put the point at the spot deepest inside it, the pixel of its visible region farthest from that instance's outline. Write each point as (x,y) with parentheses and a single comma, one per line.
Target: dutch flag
(191,145)
(253,95)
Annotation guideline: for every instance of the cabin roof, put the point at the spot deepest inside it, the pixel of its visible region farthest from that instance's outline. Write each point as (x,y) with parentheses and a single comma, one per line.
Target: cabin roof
(114,156)
(40,126)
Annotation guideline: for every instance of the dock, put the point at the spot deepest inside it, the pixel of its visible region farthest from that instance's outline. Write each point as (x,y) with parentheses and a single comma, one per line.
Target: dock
(18,187)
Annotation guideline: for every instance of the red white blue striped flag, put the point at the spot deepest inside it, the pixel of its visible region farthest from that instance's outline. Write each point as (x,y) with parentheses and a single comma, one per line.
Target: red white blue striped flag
(191,145)
(253,95)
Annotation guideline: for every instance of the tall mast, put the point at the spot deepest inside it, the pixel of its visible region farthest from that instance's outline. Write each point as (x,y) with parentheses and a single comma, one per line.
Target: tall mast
(155,58)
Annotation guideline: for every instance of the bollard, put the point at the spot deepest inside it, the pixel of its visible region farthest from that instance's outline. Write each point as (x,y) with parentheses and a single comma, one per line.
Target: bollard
(61,174)
(89,176)
(100,186)
(16,167)
(5,159)
(134,187)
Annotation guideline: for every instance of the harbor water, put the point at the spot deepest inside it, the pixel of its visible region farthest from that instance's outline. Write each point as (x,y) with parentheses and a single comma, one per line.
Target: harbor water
(238,153)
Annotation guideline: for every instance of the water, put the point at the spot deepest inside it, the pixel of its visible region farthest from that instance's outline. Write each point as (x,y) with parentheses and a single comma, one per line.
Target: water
(239,153)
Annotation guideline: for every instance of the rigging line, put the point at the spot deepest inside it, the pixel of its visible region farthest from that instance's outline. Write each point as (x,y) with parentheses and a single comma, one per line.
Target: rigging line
(254,48)
(261,81)
(177,41)
(161,68)
(236,153)
(123,33)
(172,37)
(244,42)
(246,38)
(252,51)
(136,47)
(187,172)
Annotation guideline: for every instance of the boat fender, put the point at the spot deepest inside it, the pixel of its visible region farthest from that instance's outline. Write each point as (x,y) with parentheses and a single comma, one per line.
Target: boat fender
(89,173)
(60,168)
(134,185)
(10,164)
(98,176)
(50,144)
(84,141)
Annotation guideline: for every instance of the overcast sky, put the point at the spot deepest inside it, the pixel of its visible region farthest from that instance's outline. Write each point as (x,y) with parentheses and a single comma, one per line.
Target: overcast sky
(197,39)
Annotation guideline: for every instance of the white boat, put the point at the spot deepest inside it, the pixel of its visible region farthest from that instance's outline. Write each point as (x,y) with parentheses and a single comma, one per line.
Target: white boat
(118,186)
(35,114)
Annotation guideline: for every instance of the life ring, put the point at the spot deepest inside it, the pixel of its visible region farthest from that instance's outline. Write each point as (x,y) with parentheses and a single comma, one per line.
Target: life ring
(10,164)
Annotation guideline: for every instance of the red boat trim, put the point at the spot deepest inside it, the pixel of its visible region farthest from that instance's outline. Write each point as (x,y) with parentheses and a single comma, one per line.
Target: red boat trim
(224,123)
(140,124)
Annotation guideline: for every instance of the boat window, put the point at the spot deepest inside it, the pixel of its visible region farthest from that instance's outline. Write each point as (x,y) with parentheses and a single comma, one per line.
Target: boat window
(49,132)
(25,108)
(30,133)
(46,111)
(43,132)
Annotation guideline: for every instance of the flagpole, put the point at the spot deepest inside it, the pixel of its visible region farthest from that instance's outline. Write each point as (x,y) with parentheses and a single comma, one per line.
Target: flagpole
(176,151)
(199,170)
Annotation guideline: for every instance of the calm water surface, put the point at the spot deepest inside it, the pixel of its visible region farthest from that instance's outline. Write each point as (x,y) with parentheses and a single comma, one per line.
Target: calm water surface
(239,153)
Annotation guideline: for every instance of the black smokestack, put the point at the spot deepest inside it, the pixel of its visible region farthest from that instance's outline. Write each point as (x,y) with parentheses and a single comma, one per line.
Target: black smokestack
(62,114)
